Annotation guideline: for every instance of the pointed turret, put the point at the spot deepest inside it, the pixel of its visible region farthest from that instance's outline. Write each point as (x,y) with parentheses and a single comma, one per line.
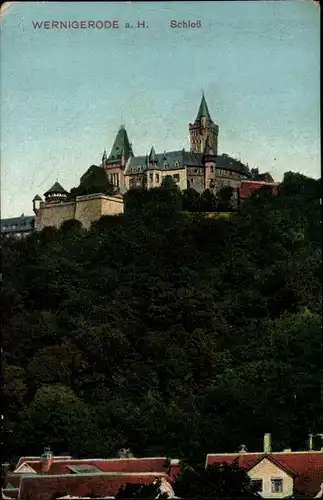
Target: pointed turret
(203,112)
(104,158)
(56,193)
(152,160)
(36,202)
(121,146)
(152,155)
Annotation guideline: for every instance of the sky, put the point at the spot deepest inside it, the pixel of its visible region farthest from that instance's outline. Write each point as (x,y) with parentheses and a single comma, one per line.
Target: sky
(65,92)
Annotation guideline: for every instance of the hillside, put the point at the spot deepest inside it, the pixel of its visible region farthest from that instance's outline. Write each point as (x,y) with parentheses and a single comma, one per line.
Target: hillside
(166,334)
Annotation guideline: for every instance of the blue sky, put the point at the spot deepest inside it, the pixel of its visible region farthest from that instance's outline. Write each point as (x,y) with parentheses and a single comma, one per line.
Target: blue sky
(64,93)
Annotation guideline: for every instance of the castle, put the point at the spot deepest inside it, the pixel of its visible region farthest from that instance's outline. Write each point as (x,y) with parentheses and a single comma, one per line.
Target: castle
(200,168)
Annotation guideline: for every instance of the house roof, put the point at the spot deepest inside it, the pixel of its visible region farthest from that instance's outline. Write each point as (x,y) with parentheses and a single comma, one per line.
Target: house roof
(306,467)
(247,187)
(105,484)
(22,460)
(121,146)
(56,188)
(24,223)
(126,465)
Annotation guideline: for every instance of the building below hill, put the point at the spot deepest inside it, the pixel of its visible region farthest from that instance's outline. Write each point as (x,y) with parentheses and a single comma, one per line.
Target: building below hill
(275,474)
(49,476)
(283,474)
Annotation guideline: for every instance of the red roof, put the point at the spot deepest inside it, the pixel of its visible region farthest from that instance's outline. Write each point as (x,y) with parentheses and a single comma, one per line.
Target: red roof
(44,487)
(306,467)
(247,187)
(107,465)
(36,459)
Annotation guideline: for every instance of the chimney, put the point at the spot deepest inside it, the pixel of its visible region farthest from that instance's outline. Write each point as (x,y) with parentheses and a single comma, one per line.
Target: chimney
(267,443)
(243,449)
(46,460)
(310,442)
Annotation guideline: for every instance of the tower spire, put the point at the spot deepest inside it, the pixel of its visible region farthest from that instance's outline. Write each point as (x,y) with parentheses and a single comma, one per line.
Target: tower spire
(203,111)
(203,132)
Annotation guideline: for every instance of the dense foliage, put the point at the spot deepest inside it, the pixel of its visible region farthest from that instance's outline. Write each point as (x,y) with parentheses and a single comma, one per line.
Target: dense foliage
(218,481)
(170,335)
(95,180)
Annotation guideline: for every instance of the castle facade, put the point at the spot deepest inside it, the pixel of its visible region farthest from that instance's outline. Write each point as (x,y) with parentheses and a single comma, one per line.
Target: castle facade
(200,168)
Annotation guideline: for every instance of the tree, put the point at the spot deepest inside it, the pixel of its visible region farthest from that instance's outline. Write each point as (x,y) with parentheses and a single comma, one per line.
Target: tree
(156,323)
(191,200)
(57,416)
(208,201)
(71,226)
(95,180)
(254,173)
(225,199)
(217,481)
(157,489)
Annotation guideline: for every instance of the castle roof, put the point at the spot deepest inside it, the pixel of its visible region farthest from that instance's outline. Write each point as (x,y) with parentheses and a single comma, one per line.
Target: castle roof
(152,155)
(169,160)
(121,146)
(56,188)
(203,112)
(226,162)
(176,160)
(37,198)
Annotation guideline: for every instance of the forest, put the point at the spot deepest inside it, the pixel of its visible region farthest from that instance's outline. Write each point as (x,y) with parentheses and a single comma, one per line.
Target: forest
(168,334)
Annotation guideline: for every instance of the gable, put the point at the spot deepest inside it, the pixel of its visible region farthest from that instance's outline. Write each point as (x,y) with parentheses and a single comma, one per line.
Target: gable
(266,467)
(24,468)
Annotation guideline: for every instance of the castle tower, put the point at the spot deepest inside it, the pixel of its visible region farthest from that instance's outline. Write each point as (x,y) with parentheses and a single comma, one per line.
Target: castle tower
(121,147)
(115,164)
(203,129)
(209,163)
(36,203)
(55,193)
(152,164)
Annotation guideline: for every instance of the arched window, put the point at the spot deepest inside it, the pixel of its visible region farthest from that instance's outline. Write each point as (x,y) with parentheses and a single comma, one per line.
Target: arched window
(176,164)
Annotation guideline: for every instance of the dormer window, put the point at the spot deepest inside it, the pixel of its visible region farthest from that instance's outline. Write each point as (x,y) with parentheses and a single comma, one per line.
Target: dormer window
(276,485)
(166,165)
(176,164)
(257,484)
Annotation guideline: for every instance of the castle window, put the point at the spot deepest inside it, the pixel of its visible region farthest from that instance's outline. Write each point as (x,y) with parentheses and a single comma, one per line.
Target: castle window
(176,164)
(166,165)
(151,178)
(176,177)
(211,170)
(157,178)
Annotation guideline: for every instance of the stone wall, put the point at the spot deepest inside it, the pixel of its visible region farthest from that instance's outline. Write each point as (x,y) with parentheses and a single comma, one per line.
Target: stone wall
(85,209)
